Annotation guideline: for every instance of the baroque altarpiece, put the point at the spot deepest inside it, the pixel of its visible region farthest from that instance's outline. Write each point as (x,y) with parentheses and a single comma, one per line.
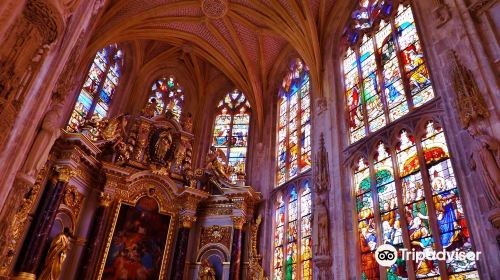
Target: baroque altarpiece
(132,181)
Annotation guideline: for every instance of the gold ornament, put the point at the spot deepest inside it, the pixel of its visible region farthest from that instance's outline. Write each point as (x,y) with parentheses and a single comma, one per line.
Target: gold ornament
(238,222)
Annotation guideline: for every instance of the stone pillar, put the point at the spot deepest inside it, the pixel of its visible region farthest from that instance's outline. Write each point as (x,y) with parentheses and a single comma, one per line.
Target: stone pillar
(95,236)
(234,267)
(36,239)
(181,246)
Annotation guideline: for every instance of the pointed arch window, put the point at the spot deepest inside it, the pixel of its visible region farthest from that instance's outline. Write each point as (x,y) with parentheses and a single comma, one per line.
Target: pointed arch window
(168,94)
(98,89)
(385,73)
(292,254)
(231,127)
(407,196)
(294,124)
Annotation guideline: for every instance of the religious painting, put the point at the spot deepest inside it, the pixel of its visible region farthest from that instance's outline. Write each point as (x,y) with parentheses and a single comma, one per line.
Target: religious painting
(138,242)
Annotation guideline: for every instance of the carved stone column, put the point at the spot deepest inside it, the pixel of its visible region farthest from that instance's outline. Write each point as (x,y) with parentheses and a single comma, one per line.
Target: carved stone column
(181,246)
(36,239)
(234,268)
(95,237)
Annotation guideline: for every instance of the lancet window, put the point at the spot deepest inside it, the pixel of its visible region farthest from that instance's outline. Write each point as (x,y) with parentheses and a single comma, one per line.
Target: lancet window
(292,255)
(231,127)
(385,71)
(407,196)
(99,87)
(168,94)
(294,124)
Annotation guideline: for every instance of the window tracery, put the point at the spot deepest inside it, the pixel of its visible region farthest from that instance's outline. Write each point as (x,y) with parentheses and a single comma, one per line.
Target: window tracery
(385,72)
(292,255)
(98,89)
(406,194)
(231,127)
(294,124)
(168,94)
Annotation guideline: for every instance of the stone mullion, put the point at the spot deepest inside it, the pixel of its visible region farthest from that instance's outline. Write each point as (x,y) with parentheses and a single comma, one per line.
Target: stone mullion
(404,79)
(431,211)
(99,88)
(230,136)
(361,89)
(380,77)
(410,268)
(376,213)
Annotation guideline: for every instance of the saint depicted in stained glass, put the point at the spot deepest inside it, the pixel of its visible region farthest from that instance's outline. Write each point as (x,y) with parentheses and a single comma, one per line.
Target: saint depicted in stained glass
(169,96)
(98,89)
(417,210)
(294,124)
(385,73)
(231,127)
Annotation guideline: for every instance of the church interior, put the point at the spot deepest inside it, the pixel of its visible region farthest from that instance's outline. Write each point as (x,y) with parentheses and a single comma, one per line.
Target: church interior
(249,139)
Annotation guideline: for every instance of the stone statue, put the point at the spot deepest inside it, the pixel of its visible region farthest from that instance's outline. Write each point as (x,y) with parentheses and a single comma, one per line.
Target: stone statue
(207,272)
(162,146)
(485,160)
(150,109)
(56,256)
(44,140)
(323,227)
(219,167)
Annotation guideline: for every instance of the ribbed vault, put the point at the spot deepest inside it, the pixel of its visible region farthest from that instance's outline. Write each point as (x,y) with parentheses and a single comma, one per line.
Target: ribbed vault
(242,39)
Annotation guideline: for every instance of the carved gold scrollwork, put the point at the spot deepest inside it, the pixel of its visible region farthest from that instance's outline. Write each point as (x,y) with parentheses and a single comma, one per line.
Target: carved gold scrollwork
(104,199)
(216,234)
(65,173)
(73,200)
(238,221)
(187,220)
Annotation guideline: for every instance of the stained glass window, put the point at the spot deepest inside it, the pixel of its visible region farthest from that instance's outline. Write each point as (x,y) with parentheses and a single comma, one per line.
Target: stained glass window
(231,126)
(168,95)
(293,234)
(385,74)
(423,167)
(98,89)
(294,124)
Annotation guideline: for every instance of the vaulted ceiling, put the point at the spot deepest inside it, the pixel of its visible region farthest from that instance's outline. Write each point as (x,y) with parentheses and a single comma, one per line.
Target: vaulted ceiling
(246,40)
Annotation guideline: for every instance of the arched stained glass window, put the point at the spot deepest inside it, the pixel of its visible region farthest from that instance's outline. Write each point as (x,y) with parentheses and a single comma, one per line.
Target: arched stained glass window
(385,73)
(294,124)
(231,127)
(168,94)
(414,189)
(292,258)
(99,87)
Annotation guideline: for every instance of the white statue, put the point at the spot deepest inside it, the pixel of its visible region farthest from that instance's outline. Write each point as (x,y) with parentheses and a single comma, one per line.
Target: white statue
(44,140)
